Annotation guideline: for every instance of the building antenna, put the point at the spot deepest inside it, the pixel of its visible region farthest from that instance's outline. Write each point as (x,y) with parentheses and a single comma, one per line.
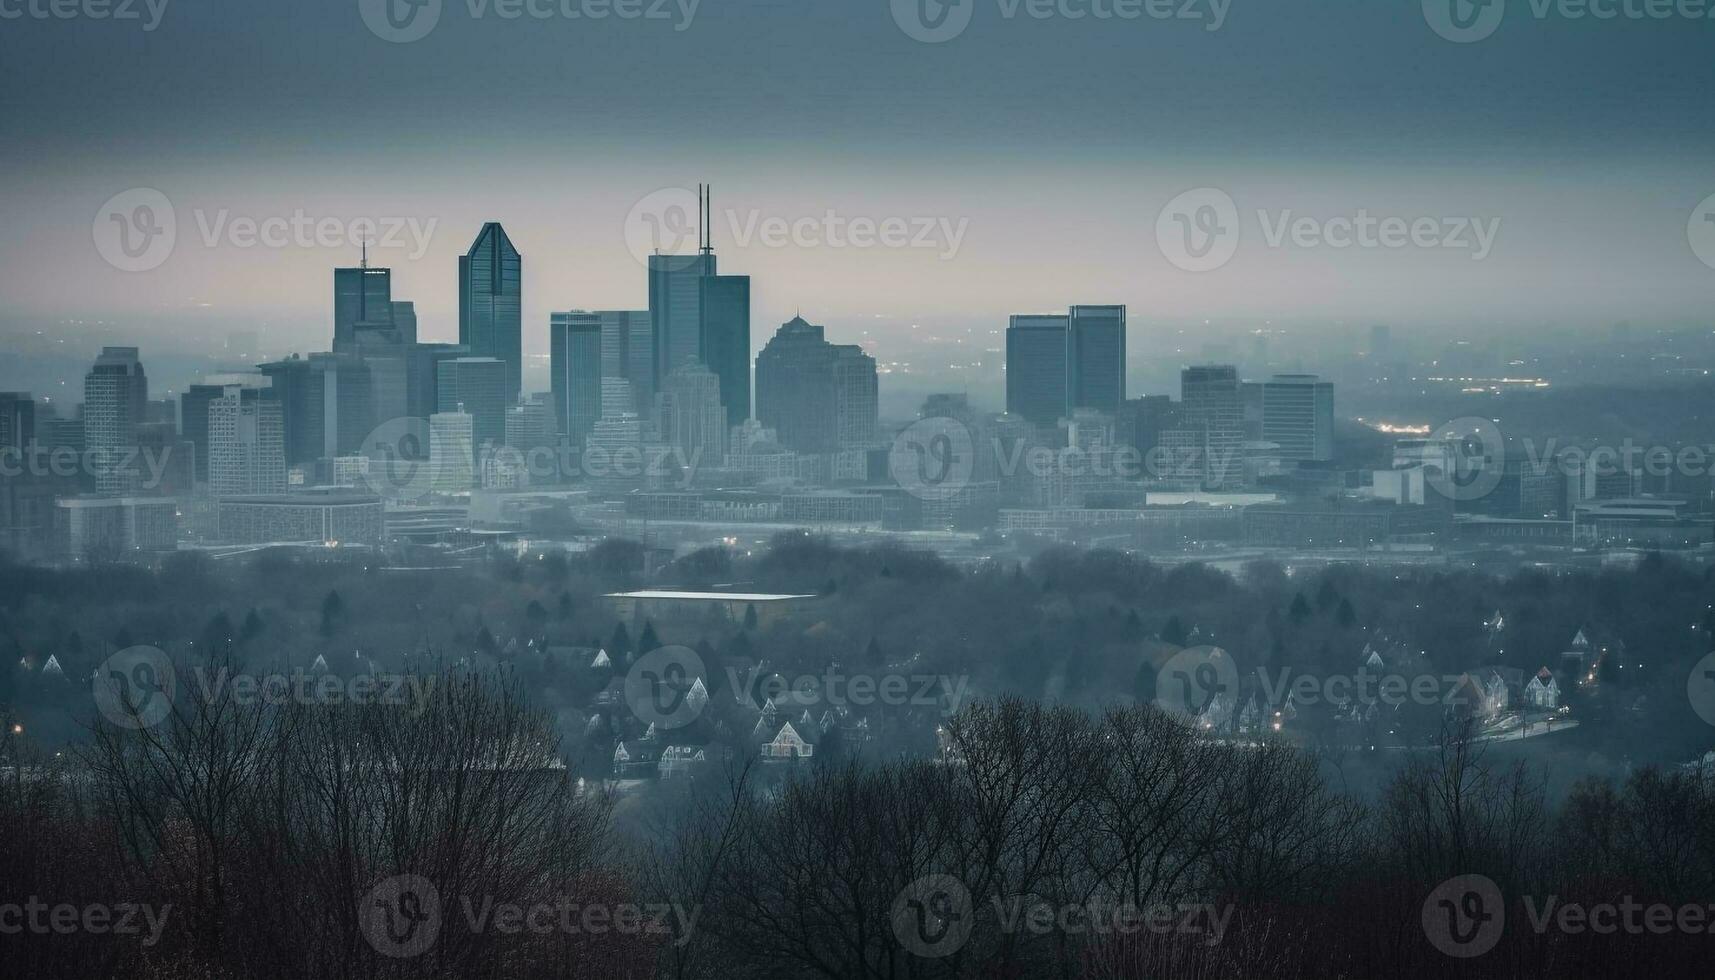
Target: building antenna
(708,219)
(365,262)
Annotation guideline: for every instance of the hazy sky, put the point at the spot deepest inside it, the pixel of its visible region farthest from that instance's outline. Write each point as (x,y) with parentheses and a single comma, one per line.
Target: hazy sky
(1049,145)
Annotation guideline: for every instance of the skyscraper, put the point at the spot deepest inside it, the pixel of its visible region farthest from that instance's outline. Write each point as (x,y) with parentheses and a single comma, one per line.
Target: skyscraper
(452,451)
(1298,416)
(491,320)
(477,387)
(1096,360)
(690,413)
(1056,363)
(327,404)
(575,359)
(696,312)
(360,295)
(1036,368)
(247,443)
(115,398)
(17,419)
(820,397)
(1212,410)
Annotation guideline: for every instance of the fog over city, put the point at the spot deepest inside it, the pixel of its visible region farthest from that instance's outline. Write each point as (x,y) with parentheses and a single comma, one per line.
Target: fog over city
(900,488)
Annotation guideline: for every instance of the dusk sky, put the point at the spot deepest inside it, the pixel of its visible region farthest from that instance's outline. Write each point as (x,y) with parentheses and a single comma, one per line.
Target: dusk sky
(1052,144)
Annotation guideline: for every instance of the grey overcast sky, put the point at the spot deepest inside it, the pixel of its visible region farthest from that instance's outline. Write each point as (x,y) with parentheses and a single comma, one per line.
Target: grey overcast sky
(1049,144)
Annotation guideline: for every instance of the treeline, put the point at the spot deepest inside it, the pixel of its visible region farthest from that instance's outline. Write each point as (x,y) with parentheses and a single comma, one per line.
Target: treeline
(270,841)
(1071,626)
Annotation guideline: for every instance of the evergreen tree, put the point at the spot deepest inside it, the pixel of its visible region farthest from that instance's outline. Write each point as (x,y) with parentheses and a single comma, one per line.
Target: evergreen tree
(1347,616)
(750,616)
(1327,597)
(648,640)
(1300,610)
(333,611)
(619,644)
(1173,632)
(252,627)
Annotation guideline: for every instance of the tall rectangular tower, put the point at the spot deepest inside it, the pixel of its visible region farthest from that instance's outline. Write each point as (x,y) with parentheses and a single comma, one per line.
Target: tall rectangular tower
(491,323)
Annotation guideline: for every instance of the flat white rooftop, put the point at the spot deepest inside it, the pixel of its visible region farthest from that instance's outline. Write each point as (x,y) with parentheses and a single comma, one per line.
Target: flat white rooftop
(729,596)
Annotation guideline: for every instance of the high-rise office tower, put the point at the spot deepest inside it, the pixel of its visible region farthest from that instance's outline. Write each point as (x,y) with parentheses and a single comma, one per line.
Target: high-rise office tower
(405,320)
(17,419)
(690,413)
(820,397)
(1096,359)
(327,403)
(613,450)
(491,320)
(530,424)
(1057,363)
(575,358)
(1298,416)
(1036,369)
(628,351)
(193,411)
(452,451)
(360,295)
(115,401)
(477,387)
(696,312)
(1212,409)
(247,443)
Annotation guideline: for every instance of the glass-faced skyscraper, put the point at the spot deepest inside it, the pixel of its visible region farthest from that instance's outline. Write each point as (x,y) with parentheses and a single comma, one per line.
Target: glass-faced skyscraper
(697,313)
(491,318)
(575,365)
(361,295)
(1057,363)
